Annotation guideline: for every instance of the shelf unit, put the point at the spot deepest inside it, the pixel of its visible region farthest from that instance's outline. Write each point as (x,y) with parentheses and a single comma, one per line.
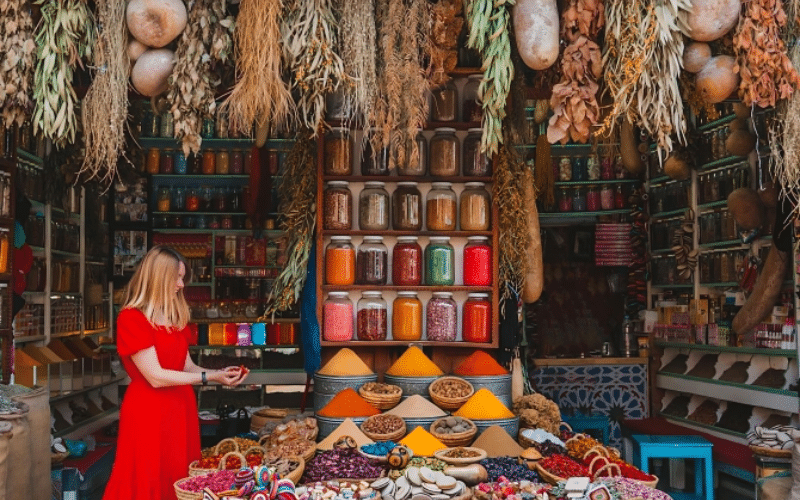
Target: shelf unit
(8,167)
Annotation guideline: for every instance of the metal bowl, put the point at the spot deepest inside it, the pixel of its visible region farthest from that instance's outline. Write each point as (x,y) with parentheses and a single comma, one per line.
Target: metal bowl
(499,385)
(326,387)
(411,385)
(511,425)
(329,424)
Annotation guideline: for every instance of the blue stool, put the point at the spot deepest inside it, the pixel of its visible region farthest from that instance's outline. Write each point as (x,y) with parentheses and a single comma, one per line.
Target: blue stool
(581,423)
(695,447)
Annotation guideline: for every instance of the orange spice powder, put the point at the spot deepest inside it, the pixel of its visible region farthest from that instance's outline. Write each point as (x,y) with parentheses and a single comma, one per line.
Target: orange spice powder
(479,363)
(348,403)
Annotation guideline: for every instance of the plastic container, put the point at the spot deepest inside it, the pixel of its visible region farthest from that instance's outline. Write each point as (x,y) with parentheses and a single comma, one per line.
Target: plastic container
(441,318)
(441,206)
(443,160)
(338,152)
(439,262)
(407,262)
(337,201)
(372,317)
(406,317)
(340,261)
(374,207)
(475,207)
(477,261)
(372,262)
(477,322)
(337,314)
(407,207)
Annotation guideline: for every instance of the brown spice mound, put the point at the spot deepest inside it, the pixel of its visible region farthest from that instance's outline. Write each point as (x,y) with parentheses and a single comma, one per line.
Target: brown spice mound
(706,413)
(705,367)
(771,378)
(678,407)
(677,365)
(736,417)
(737,373)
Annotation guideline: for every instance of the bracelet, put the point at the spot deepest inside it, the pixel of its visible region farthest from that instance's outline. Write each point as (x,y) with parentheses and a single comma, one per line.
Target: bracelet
(204,378)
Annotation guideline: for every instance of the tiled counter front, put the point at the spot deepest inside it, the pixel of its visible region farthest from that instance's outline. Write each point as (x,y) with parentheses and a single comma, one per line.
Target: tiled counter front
(616,387)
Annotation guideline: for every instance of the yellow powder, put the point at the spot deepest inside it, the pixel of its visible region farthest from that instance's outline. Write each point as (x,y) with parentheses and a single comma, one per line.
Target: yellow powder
(414,363)
(422,443)
(483,405)
(345,363)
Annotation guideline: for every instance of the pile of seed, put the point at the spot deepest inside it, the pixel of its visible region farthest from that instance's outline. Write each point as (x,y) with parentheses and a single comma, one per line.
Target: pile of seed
(384,423)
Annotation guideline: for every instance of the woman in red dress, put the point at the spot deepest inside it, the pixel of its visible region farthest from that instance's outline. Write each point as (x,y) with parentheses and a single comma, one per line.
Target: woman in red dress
(159,430)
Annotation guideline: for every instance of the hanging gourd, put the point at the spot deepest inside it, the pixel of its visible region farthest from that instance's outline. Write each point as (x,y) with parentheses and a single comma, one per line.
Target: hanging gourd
(709,20)
(537,32)
(151,72)
(718,79)
(155,23)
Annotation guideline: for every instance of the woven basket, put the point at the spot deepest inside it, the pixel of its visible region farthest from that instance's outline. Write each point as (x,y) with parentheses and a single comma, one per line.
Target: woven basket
(452,440)
(650,484)
(195,470)
(392,436)
(225,446)
(771,452)
(297,473)
(255,450)
(445,403)
(186,495)
(224,460)
(382,401)
(609,466)
(547,476)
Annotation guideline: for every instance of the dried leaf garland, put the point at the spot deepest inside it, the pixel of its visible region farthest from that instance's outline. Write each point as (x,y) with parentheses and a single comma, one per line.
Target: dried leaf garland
(357,46)
(446,23)
(766,72)
(298,208)
(105,106)
(309,42)
(203,49)
(65,37)
(260,95)
(17,59)
(489,25)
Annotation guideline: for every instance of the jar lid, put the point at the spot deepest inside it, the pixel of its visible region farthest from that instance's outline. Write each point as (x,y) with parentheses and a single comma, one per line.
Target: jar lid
(340,238)
(475,76)
(442,185)
(371,293)
(444,295)
(407,183)
(376,239)
(475,130)
(338,294)
(340,129)
(408,239)
(477,295)
(445,129)
(474,184)
(444,239)
(406,293)
(374,184)
(338,183)
(477,238)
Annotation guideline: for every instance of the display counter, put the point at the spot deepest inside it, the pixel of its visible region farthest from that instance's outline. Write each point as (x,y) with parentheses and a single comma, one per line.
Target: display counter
(616,387)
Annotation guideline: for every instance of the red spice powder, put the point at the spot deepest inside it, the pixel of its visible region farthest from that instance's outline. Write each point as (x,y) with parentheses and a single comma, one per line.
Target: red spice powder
(479,363)
(348,403)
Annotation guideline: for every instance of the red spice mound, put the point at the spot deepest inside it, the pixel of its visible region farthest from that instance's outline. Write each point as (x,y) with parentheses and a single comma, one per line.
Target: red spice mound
(479,363)
(348,403)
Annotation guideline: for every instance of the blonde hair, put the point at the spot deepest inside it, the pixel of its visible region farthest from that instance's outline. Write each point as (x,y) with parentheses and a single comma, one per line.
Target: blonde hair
(152,288)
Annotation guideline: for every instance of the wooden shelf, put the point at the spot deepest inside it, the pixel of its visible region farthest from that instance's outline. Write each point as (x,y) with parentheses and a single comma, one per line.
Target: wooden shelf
(208,321)
(419,288)
(85,390)
(763,397)
(82,423)
(390,179)
(246,348)
(21,339)
(789,353)
(595,183)
(405,343)
(243,143)
(357,232)
(175,177)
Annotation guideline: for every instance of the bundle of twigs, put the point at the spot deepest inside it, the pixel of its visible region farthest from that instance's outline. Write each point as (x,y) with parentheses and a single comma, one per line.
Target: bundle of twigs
(785,160)
(260,95)
(17,54)
(203,48)
(489,25)
(298,208)
(447,18)
(357,46)
(105,106)
(65,37)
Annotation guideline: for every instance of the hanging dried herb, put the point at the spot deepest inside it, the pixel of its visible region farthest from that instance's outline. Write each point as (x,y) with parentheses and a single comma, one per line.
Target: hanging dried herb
(357,46)
(507,185)
(105,106)
(17,54)
(203,49)
(447,19)
(298,188)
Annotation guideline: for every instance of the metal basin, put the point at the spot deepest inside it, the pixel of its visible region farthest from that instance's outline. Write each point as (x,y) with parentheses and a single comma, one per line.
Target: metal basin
(499,385)
(411,385)
(326,387)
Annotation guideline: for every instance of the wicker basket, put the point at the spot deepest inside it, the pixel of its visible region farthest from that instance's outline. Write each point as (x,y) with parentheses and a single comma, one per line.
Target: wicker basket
(255,450)
(445,403)
(547,476)
(379,400)
(610,467)
(392,436)
(186,495)
(297,473)
(225,446)
(195,470)
(452,440)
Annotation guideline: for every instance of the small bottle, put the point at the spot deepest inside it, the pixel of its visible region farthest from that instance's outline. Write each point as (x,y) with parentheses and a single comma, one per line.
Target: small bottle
(619,198)
(787,333)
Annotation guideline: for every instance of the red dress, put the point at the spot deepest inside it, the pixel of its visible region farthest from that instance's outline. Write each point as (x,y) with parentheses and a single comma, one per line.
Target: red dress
(159,431)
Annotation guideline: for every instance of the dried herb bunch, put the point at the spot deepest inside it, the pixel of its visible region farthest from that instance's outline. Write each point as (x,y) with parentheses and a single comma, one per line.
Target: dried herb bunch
(785,160)
(260,94)
(64,38)
(298,189)
(401,106)
(447,18)
(17,54)
(489,25)
(574,99)
(357,46)
(105,106)
(507,184)
(642,59)
(203,49)
(766,72)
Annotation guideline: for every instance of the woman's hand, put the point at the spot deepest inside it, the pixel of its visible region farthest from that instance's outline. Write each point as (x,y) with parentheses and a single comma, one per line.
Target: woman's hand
(230,376)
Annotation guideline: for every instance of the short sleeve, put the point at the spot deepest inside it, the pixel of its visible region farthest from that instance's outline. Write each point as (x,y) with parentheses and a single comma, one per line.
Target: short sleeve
(134,332)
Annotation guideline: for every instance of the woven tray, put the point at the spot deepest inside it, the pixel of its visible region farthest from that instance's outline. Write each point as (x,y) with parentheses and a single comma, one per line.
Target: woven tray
(445,403)
(453,440)
(771,452)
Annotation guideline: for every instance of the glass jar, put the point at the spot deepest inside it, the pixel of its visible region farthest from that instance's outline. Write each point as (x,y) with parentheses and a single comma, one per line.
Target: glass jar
(475,207)
(337,317)
(406,317)
(209,162)
(472,110)
(619,198)
(477,261)
(443,160)
(373,207)
(407,207)
(564,201)
(407,262)
(439,262)
(179,198)
(444,100)
(340,261)
(206,197)
(338,152)
(179,163)
(153,162)
(578,200)
(337,105)
(579,169)
(207,129)
(607,197)
(337,206)
(151,123)
(223,163)
(164,199)
(441,315)
(220,201)
(192,200)
(374,162)
(476,163)
(166,162)
(565,169)
(167,128)
(607,169)
(440,207)
(416,165)
(372,317)
(372,261)
(222,125)
(593,199)
(196,163)
(4,252)
(477,321)
(237,162)
(592,168)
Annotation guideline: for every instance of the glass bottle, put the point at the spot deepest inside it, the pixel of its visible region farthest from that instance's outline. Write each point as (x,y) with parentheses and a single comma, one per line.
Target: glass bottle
(206,197)
(475,207)
(444,103)
(417,165)
(372,261)
(153,162)
(372,317)
(477,261)
(373,207)
(607,197)
(592,168)
(472,110)
(406,317)
(578,200)
(179,163)
(441,315)
(222,163)
(439,262)
(179,198)
(340,261)
(593,199)
(337,317)
(164,199)
(579,169)
(207,129)
(444,153)
(565,201)
(441,207)
(607,168)
(196,163)
(222,125)
(237,162)
(337,206)
(407,207)
(565,169)
(338,152)
(619,198)
(192,200)
(477,318)
(167,128)
(476,163)
(374,162)
(166,162)
(407,262)
(209,162)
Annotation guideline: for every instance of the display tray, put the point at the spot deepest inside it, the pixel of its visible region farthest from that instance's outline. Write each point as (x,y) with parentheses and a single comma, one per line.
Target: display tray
(441,455)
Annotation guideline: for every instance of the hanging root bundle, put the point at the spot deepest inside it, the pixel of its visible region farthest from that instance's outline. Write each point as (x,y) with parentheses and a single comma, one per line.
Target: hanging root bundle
(203,49)
(105,106)
(357,46)
(260,95)
(17,53)
(489,34)
(309,36)
(298,206)
(65,37)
